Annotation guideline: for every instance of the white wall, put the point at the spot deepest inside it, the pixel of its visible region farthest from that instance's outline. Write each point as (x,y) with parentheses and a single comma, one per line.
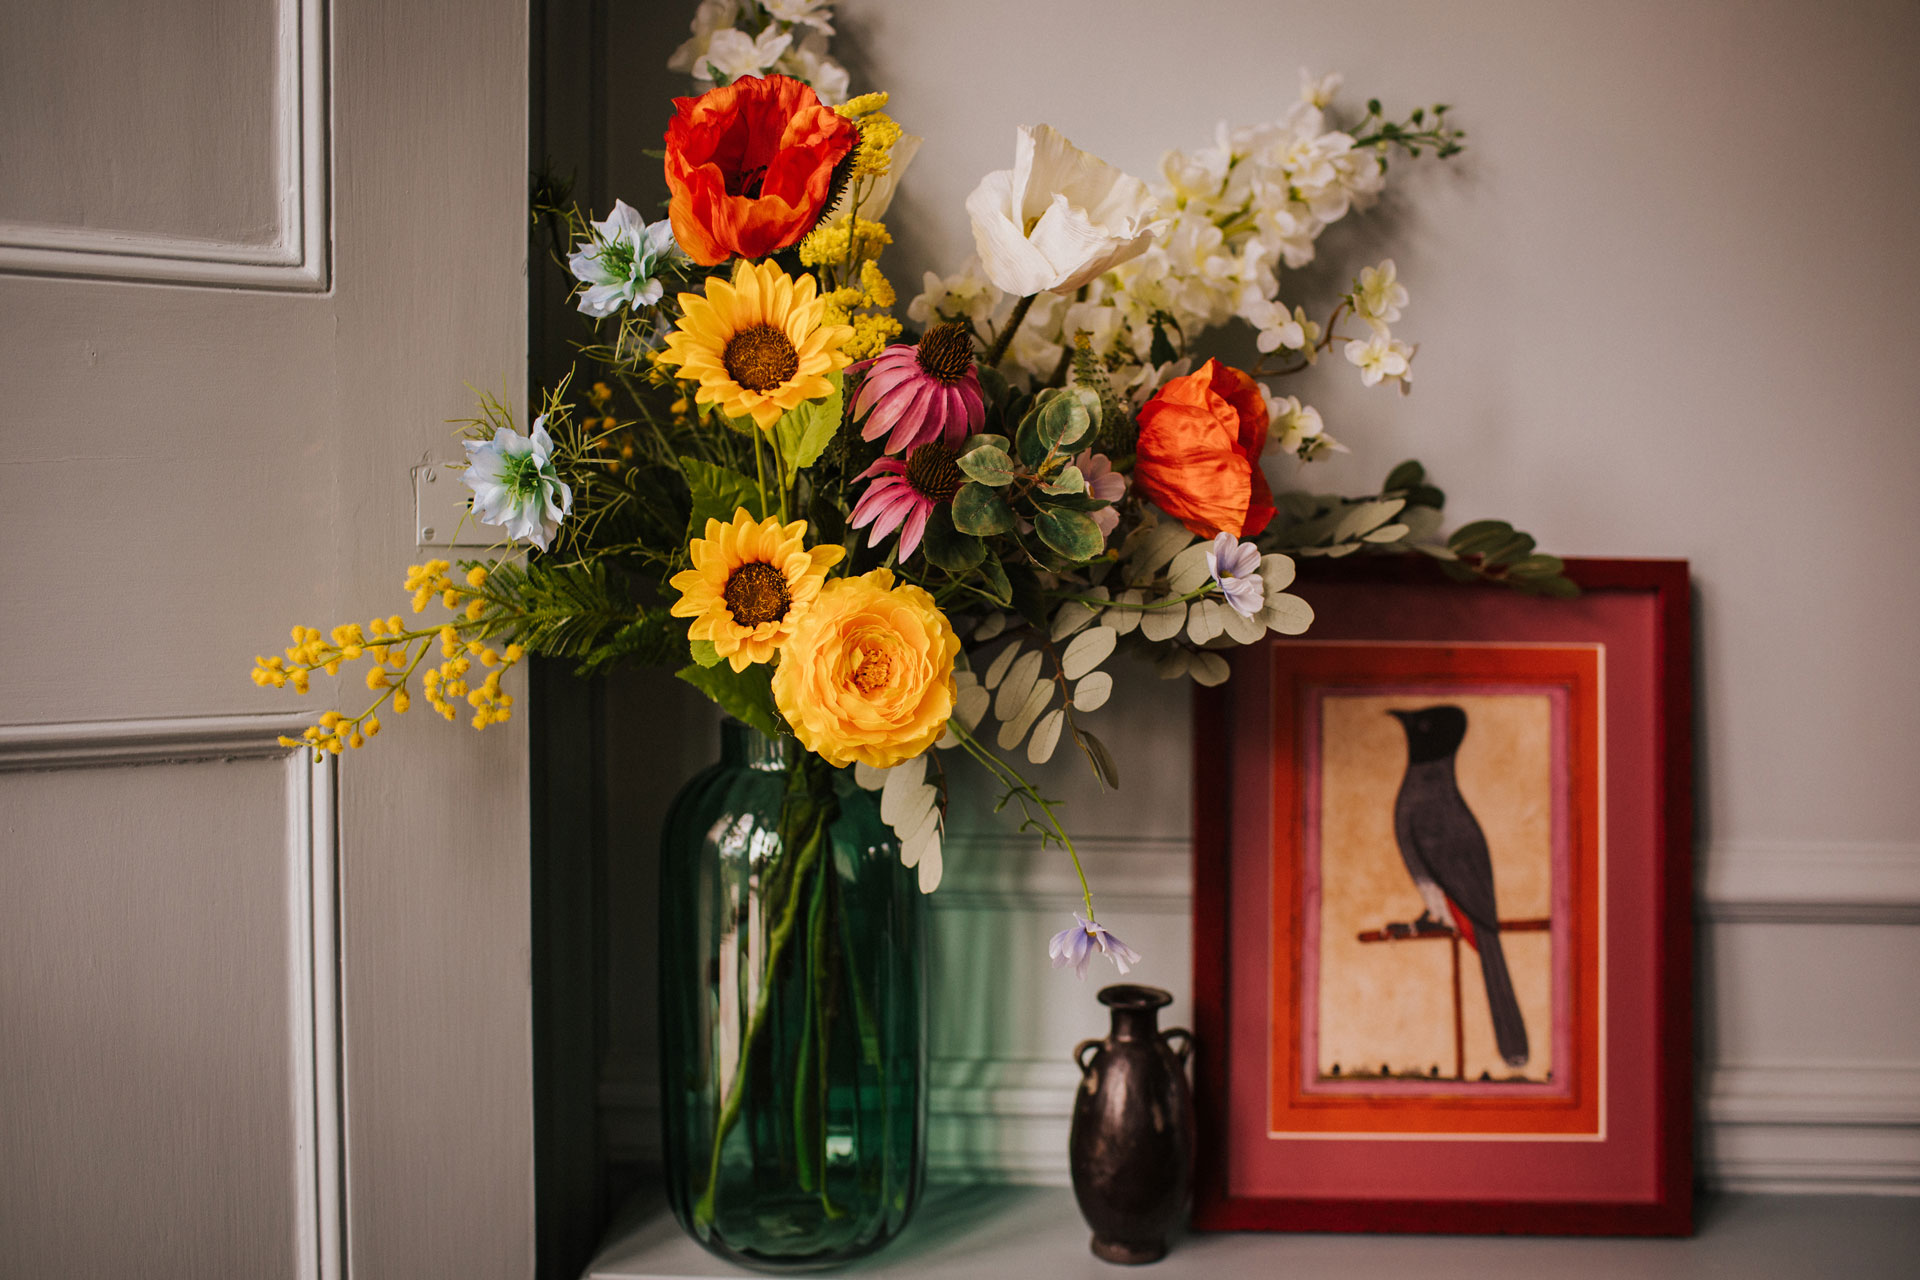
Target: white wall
(1667,305)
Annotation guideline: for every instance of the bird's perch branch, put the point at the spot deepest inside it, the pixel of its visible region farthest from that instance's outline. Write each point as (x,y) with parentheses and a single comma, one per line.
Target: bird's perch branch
(1537,925)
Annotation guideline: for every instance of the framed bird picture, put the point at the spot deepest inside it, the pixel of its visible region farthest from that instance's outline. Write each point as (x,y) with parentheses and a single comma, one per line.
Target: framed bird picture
(1442,929)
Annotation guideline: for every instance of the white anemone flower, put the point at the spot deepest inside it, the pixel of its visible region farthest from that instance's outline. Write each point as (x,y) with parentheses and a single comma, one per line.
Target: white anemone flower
(712,16)
(1059,217)
(817,14)
(617,265)
(808,61)
(515,485)
(733,53)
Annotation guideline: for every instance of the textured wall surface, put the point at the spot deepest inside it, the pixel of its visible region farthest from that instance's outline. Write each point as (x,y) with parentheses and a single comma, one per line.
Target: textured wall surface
(1664,305)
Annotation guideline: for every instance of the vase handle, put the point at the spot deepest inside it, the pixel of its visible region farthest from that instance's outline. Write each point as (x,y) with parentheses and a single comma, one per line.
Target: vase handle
(1080,1054)
(1185,1050)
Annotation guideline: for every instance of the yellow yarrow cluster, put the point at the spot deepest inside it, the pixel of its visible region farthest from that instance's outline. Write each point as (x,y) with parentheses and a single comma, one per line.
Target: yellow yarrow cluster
(878,133)
(396,652)
(863,105)
(872,330)
(835,244)
(874,155)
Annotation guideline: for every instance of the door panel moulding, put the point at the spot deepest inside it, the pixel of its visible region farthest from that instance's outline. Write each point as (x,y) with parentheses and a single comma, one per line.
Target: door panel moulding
(295,260)
(313,952)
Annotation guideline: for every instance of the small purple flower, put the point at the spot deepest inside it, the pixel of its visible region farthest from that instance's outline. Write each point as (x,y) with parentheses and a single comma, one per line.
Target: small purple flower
(1102,482)
(1235,565)
(1076,946)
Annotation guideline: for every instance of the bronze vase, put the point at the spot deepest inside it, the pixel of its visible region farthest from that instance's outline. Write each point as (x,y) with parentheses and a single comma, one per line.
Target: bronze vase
(1132,1144)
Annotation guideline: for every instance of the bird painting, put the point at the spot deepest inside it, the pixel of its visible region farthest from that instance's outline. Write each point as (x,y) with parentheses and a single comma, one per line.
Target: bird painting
(1445,852)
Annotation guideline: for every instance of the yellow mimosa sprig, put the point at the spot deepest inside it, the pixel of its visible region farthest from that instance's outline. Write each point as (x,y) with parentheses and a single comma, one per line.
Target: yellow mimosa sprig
(396,652)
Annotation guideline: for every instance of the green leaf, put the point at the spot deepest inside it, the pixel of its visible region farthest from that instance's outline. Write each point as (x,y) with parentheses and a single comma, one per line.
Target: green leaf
(1538,566)
(1062,419)
(988,464)
(948,548)
(717,493)
(1479,536)
(1071,533)
(1405,476)
(653,639)
(563,611)
(747,695)
(1032,449)
(1517,547)
(804,431)
(1101,759)
(1029,601)
(704,654)
(984,439)
(995,581)
(1089,399)
(1069,480)
(1076,501)
(1558,588)
(1161,351)
(994,385)
(981,511)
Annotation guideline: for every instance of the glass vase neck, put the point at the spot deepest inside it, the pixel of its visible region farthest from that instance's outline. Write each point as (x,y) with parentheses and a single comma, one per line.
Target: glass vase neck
(743,745)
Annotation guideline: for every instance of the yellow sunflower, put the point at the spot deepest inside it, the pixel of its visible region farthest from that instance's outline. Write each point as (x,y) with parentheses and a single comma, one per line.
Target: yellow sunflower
(750,584)
(757,346)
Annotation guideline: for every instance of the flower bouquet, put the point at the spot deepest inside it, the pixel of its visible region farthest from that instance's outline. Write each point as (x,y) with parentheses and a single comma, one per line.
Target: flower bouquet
(888,540)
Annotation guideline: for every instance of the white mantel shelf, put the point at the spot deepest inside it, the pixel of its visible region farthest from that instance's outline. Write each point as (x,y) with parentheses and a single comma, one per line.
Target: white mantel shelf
(1013,1233)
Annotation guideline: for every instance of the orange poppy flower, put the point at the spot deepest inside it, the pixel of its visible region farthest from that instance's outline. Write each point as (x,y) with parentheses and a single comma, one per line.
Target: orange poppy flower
(1198,457)
(750,166)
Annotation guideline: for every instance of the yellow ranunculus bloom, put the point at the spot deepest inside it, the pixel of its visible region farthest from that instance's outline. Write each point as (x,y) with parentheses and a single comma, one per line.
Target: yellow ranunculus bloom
(750,585)
(868,673)
(759,345)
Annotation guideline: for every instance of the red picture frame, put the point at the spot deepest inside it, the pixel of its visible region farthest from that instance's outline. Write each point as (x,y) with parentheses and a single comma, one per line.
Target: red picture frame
(1602,1142)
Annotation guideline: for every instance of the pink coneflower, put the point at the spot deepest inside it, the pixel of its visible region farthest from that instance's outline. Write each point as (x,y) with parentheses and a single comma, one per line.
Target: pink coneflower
(922,393)
(904,493)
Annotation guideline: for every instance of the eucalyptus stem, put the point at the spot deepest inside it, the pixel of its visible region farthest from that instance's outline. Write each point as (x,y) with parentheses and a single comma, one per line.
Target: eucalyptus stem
(1145,606)
(1016,785)
(1000,343)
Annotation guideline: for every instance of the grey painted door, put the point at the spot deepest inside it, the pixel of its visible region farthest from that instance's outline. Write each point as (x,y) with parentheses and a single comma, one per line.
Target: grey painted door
(258,1018)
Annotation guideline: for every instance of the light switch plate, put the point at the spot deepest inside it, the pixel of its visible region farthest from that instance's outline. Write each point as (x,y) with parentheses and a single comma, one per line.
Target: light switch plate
(441,517)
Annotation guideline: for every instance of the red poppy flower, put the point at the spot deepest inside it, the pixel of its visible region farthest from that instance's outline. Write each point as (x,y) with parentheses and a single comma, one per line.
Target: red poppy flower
(750,165)
(1198,457)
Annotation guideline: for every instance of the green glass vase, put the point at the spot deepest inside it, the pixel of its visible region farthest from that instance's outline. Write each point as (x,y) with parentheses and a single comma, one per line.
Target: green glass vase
(793,1047)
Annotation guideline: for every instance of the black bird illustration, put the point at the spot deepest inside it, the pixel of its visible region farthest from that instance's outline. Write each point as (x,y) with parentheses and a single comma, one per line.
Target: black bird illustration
(1446,854)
